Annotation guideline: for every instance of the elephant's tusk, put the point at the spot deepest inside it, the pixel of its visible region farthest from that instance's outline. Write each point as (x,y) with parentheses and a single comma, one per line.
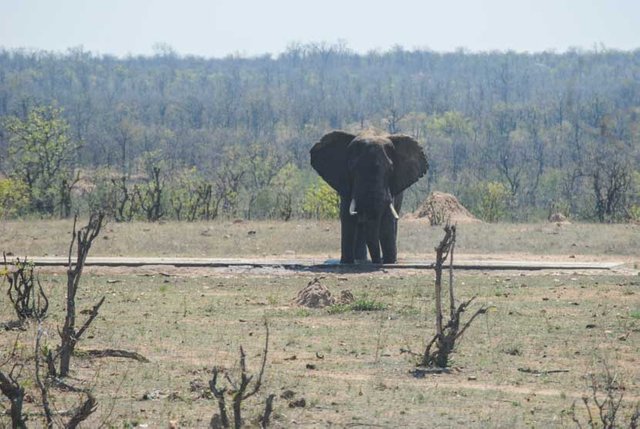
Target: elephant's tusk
(352,207)
(393,211)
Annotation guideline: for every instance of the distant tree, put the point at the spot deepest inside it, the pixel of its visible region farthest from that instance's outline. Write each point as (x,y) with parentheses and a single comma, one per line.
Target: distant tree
(611,176)
(42,156)
(493,204)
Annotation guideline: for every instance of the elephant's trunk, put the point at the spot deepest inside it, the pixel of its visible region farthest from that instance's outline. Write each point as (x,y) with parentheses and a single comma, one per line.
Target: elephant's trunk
(352,207)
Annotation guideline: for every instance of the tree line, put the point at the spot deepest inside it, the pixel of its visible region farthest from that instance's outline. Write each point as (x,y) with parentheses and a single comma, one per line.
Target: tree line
(514,136)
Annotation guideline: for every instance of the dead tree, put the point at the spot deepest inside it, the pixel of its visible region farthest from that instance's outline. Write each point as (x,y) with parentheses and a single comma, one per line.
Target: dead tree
(122,194)
(241,391)
(70,336)
(13,391)
(150,198)
(446,335)
(25,291)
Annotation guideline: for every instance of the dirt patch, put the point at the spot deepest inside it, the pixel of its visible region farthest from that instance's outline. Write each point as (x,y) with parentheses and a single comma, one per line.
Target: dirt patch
(441,208)
(315,295)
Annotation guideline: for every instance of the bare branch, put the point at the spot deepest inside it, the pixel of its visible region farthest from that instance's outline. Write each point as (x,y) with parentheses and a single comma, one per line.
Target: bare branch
(83,412)
(44,391)
(258,382)
(92,316)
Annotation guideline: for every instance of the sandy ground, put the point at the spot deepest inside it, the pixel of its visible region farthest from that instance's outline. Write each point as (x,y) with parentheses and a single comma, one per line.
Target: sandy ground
(625,265)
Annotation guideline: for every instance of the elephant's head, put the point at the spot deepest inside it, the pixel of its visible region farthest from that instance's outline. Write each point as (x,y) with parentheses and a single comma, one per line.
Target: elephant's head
(369,169)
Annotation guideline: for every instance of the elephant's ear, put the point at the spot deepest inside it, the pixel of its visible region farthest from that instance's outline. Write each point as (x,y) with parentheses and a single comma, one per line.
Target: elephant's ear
(329,158)
(409,163)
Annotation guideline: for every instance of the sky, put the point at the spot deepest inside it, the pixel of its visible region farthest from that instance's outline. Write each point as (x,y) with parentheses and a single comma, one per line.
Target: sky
(217,28)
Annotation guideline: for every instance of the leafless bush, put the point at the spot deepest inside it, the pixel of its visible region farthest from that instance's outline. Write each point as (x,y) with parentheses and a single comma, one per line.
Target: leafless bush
(25,291)
(241,389)
(604,404)
(446,335)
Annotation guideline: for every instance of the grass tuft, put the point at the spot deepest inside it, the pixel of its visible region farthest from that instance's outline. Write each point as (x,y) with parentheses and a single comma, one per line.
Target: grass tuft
(365,304)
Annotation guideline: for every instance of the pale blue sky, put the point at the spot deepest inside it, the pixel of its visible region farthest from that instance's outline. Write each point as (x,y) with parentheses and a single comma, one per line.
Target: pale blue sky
(252,27)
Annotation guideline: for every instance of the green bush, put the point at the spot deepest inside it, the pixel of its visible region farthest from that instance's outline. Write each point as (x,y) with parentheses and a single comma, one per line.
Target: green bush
(14,198)
(492,206)
(321,202)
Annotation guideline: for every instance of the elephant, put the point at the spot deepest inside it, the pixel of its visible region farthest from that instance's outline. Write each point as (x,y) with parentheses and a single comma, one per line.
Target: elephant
(369,171)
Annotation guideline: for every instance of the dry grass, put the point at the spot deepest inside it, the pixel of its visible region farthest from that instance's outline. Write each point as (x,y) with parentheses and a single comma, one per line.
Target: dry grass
(226,239)
(186,324)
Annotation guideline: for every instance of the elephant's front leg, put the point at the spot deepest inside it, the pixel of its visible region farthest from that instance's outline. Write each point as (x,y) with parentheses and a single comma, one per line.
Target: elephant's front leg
(388,236)
(348,227)
(360,242)
(373,240)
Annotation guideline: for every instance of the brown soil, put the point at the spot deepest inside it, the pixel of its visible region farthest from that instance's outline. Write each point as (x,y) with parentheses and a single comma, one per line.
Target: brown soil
(441,208)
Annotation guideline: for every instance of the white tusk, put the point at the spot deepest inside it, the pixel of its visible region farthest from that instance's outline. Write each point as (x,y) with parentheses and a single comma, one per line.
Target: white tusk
(393,211)
(352,207)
